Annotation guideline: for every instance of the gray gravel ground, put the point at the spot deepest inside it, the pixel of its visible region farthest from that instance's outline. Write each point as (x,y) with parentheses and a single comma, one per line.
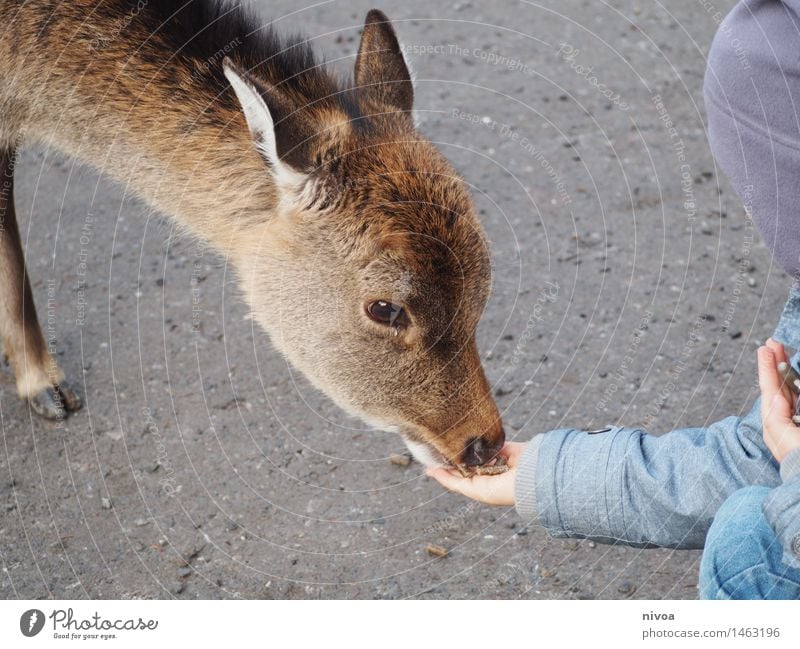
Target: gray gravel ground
(203,467)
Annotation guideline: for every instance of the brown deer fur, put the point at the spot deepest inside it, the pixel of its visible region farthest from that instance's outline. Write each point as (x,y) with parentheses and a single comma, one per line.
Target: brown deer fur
(319,191)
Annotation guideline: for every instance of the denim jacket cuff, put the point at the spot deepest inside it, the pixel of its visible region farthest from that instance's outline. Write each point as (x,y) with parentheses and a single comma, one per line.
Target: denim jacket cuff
(790,467)
(787,331)
(782,511)
(525,484)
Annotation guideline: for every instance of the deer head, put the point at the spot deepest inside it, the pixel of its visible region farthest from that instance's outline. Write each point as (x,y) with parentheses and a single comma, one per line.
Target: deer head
(372,271)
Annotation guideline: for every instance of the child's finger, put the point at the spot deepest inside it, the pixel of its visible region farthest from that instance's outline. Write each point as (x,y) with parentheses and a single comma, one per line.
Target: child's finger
(778,350)
(511,452)
(780,357)
(773,400)
(448,480)
(768,378)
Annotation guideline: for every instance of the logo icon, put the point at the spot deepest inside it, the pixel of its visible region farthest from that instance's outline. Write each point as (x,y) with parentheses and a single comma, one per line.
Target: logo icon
(31,622)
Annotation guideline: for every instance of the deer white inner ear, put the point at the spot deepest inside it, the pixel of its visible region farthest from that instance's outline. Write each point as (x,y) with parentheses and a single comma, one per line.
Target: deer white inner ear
(415,117)
(256,112)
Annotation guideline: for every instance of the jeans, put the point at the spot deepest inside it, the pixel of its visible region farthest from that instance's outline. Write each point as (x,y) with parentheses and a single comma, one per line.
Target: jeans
(743,557)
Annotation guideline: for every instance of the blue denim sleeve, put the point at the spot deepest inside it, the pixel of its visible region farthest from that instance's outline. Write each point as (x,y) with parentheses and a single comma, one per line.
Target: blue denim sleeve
(782,509)
(627,486)
(624,485)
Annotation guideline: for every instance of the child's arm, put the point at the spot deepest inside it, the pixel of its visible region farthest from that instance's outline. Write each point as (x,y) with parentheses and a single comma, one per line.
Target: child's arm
(626,485)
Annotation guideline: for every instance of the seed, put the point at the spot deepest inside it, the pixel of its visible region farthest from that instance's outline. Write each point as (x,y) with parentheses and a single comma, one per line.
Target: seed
(497,468)
(436,550)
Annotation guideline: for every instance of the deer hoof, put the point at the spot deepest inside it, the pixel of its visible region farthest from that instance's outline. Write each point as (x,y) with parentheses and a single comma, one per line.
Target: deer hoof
(55,402)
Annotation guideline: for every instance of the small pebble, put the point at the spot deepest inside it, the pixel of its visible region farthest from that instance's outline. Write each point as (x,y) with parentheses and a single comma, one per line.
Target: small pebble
(177,587)
(184,572)
(626,588)
(592,544)
(400,459)
(105,503)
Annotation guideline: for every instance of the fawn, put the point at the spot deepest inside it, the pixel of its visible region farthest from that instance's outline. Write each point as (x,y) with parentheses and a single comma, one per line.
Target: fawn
(355,242)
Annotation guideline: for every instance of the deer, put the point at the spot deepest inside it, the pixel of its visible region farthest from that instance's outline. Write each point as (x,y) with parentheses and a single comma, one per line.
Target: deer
(355,243)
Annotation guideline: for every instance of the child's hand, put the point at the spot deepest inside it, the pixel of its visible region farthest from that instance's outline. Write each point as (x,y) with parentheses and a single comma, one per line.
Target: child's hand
(777,402)
(489,489)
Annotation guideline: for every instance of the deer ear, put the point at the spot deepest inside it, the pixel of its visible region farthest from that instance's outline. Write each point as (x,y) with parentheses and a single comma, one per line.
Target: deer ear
(250,94)
(381,72)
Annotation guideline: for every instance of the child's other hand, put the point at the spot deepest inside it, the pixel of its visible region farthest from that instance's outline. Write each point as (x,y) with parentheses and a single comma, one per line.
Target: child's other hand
(777,402)
(489,489)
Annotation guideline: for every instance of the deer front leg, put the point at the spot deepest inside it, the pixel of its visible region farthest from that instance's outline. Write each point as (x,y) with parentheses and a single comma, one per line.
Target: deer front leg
(39,379)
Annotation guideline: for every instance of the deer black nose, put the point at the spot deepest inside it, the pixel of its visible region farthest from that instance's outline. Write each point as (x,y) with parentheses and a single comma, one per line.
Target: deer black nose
(480,450)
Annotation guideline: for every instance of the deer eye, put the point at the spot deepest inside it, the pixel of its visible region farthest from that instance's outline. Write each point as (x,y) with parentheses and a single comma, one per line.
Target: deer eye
(386,313)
